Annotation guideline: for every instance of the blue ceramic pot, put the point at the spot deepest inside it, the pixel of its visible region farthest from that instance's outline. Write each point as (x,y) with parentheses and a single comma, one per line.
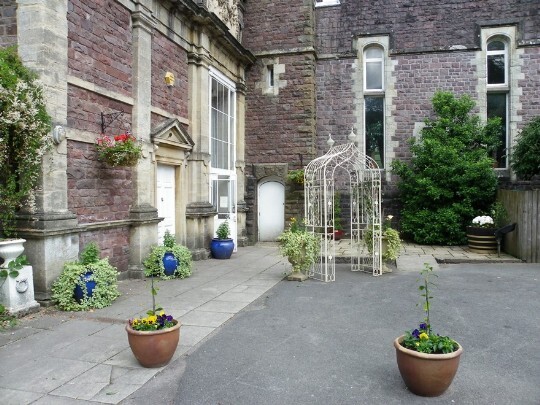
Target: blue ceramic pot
(221,248)
(170,263)
(90,285)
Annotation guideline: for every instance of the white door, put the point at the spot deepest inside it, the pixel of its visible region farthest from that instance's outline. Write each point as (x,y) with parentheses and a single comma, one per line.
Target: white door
(271,210)
(165,199)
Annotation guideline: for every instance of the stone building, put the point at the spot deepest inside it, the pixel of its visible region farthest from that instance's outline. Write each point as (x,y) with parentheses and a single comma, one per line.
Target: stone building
(227,96)
(170,72)
(326,66)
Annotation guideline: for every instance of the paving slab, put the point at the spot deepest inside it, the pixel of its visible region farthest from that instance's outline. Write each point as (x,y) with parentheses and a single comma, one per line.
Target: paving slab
(46,359)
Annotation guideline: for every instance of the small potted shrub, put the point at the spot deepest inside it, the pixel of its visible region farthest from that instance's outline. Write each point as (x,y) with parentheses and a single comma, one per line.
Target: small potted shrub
(481,235)
(427,361)
(391,241)
(153,339)
(89,283)
(170,260)
(222,246)
(300,247)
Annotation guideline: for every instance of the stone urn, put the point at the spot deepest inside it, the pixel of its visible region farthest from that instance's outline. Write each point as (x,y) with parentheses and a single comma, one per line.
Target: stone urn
(10,249)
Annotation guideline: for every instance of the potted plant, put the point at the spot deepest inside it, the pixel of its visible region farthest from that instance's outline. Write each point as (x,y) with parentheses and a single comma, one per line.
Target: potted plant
(24,139)
(170,260)
(390,240)
(222,246)
(88,283)
(153,339)
(121,150)
(301,249)
(481,235)
(427,361)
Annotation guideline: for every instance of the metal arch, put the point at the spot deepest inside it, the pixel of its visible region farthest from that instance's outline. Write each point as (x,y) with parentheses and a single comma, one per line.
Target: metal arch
(364,182)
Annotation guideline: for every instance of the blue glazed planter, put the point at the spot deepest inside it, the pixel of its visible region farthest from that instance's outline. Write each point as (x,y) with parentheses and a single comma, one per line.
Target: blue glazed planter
(221,248)
(90,285)
(170,263)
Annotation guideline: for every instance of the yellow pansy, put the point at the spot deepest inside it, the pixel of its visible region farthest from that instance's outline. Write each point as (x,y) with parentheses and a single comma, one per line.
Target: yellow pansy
(424,336)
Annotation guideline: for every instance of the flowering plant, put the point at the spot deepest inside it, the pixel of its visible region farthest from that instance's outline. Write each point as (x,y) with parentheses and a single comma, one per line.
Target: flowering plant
(423,339)
(24,138)
(121,150)
(483,221)
(152,322)
(156,319)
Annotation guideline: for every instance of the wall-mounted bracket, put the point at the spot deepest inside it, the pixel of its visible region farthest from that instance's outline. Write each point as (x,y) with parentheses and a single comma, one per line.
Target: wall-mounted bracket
(108,119)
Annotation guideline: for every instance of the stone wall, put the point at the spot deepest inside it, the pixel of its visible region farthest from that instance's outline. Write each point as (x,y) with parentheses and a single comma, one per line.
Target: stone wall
(113,243)
(530,85)
(421,27)
(169,57)
(8,23)
(100,44)
(97,192)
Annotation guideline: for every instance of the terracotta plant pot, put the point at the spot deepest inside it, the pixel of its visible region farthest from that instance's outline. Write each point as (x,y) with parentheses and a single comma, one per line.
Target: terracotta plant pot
(154,348)
(427,375)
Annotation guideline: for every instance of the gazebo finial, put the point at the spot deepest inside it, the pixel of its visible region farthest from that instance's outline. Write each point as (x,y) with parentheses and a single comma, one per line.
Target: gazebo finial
(330,142)
(352,135)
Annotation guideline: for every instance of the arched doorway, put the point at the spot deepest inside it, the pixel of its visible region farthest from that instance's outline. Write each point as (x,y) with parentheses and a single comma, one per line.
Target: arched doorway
(271,213)
(362,179)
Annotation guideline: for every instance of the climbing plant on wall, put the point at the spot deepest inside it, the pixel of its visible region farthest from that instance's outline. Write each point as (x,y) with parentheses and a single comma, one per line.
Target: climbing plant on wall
(24,137)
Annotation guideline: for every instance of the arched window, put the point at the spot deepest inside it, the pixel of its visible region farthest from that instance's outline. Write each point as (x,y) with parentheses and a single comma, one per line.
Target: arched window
(497,64)
(498,92)
(374,103)
(373,68)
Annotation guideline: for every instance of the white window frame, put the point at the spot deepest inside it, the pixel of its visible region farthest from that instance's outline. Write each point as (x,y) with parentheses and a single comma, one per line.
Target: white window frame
(231,127)
(504,52)
(326,3)
(500,88)
(367,60)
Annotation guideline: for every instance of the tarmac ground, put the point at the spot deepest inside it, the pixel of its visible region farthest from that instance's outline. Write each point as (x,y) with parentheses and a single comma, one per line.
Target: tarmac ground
(248,337)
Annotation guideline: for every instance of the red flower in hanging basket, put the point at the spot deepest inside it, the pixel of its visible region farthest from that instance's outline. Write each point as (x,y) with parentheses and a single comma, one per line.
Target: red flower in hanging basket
(122,150)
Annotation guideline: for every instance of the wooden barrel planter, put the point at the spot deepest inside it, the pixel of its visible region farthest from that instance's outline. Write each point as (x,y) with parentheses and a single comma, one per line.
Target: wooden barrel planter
(482,240)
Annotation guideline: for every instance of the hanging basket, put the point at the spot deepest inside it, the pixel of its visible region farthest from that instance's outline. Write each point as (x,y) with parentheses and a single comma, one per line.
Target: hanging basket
(121,150)
(120,158)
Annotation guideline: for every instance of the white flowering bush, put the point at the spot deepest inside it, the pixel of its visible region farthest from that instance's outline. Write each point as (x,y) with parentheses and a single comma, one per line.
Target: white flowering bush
(483,221)
(24,137)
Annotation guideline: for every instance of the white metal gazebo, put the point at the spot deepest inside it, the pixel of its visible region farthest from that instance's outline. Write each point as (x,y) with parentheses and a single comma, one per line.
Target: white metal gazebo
(361,174)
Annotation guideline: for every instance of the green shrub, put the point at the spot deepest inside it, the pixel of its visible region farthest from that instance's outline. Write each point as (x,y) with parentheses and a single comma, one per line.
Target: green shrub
(104,274)
(525,160)
(153,263)
(450,177)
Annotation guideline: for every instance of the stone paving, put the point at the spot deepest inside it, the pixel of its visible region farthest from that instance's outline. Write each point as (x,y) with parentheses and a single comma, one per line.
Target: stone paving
(58,357)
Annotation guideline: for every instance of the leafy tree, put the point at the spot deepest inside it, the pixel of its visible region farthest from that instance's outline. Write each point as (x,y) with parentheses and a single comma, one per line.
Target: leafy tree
(450,178)
(526,154)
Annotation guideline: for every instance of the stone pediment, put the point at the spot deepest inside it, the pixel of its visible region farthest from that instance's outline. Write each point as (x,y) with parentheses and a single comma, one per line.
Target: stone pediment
(173,134)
